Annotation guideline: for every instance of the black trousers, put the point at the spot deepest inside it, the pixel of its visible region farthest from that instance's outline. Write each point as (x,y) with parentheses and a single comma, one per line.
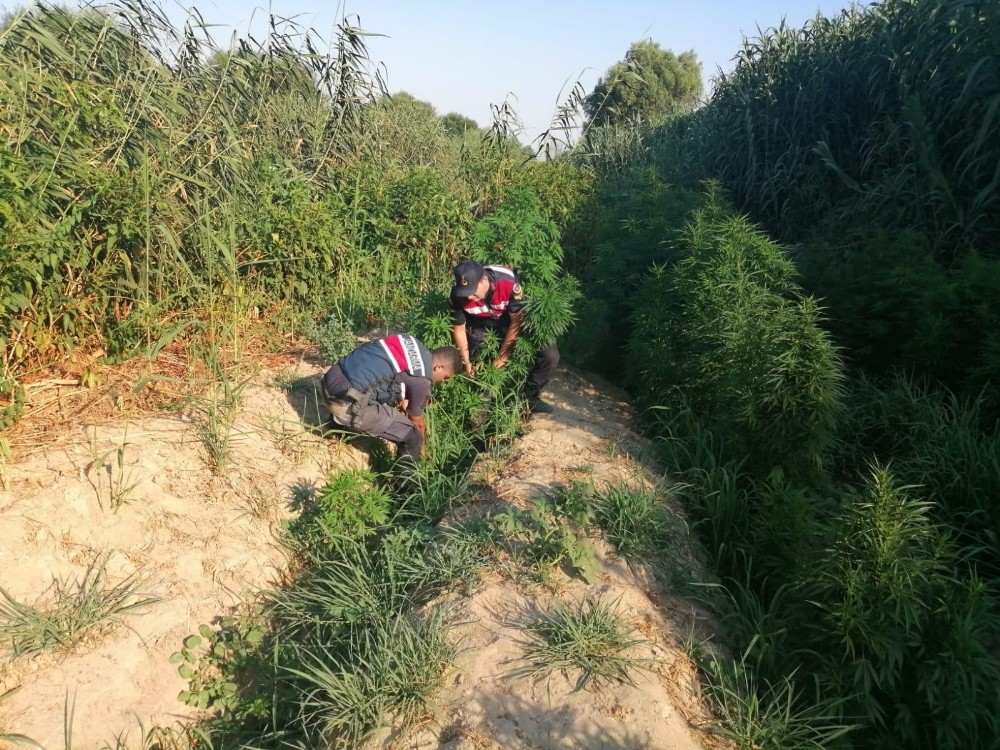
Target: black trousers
(546,359)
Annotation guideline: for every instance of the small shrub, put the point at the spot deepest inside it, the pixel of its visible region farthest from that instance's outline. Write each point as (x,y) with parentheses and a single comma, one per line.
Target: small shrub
(643,527)
(212,660)
(891,602)
(398,665)
(758,715)
(349,504)
(334,337)
(727,333)
(545,536)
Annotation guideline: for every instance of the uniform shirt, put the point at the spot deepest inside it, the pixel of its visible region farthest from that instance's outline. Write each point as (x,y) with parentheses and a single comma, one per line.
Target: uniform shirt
(417,391)
(505,296)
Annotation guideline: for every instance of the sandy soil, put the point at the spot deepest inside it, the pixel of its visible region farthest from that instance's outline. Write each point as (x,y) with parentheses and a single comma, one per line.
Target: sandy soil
(486,706)
(203,543)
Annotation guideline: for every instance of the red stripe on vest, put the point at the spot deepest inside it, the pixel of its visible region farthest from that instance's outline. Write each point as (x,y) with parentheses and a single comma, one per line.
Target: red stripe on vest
(404,355)
(503,286)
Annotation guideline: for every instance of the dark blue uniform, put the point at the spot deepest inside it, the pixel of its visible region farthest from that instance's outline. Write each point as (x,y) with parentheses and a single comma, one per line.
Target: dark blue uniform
(363,387)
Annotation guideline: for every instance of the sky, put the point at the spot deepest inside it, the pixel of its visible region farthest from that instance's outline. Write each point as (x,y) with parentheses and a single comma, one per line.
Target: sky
(464,55)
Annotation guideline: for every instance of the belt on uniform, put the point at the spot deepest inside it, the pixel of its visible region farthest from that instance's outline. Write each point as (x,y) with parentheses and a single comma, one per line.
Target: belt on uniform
(348,405)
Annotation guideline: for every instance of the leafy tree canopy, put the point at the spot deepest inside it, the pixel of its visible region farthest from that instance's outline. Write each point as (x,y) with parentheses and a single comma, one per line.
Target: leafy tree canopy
(456,124)
(403,101)
(649,84)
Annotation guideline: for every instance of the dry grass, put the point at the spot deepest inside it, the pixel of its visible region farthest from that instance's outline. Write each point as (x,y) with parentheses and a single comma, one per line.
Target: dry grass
(58,400)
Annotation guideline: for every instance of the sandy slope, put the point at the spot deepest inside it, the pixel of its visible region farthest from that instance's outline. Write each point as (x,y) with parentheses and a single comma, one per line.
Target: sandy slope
(203,544)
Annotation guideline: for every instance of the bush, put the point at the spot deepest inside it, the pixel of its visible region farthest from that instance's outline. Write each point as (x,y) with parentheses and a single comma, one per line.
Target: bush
(728,328)
(893,304)
(518,235)
(937,440)
(348,505)
(912,642)
(334,337)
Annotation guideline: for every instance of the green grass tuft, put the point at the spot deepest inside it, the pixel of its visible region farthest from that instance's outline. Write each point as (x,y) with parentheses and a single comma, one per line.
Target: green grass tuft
(588,639)
(77,607)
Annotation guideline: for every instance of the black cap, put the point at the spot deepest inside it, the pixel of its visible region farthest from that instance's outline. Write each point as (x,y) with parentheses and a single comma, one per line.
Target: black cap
(467,276)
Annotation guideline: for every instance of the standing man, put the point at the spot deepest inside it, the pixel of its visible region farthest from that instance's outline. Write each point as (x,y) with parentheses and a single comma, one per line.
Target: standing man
(364,386)
(491,298)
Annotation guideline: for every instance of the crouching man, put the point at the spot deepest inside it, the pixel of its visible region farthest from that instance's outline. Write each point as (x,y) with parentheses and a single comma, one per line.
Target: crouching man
(364,388)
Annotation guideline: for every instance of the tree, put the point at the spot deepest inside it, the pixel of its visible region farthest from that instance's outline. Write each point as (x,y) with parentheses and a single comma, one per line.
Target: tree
(651,83)
(403,101)
(456,124)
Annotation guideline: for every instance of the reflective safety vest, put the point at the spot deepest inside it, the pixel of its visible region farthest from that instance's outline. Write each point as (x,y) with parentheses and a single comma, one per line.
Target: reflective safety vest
(504,282)
(372,367)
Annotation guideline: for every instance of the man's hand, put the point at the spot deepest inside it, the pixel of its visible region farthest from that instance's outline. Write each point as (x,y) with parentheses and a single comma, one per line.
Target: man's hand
(500,361)
(420,424)
(425,449)
(468,369)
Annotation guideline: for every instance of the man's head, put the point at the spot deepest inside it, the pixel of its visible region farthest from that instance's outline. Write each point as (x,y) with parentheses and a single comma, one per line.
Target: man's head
(445,362)
(470,280)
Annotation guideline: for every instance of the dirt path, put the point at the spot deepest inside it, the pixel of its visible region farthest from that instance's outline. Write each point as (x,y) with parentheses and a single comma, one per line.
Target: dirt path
(203,543)
(588,437)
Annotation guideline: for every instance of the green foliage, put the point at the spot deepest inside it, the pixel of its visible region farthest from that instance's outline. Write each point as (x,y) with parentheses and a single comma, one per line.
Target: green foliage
(518,235)
(349,504)
(456,125)
(898,140)
(14,396)
(915,641)
(896,305)
(335,337)
(432,493)
(397,667)
(728,328)
(758,715)
(639,523)
(862,138)
(865,139)
(636,227)
(939,441)
(211,660)
(114,481)
(587,639)
(389,654)
(348,646)
(217,410)
(354,585)
(565,192)
(187,187)
(401,133)
(554,532)
(430,320)
(76,608)
(651,83)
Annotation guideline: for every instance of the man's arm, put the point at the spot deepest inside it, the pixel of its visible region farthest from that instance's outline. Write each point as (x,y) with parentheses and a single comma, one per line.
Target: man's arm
(509,338)
(461,339)
(418,391)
